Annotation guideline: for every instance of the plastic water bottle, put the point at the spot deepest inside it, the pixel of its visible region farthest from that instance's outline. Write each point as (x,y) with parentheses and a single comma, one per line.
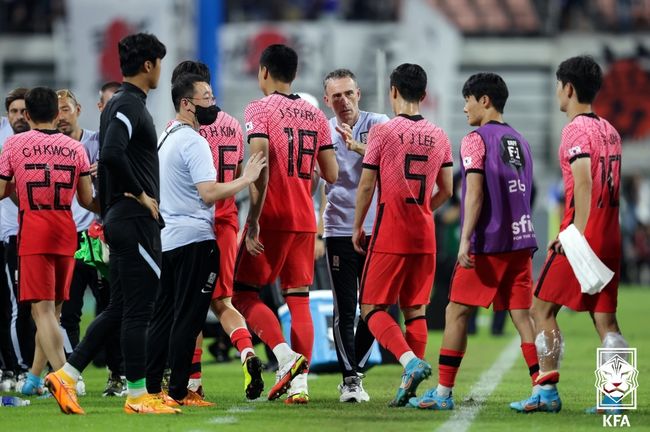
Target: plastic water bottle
(13,401)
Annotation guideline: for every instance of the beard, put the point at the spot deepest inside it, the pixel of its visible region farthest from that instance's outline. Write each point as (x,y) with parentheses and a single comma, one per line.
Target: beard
(20,126)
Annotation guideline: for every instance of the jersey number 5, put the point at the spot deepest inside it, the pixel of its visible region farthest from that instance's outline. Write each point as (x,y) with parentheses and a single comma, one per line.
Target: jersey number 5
(302,152)
(45,183)
(409,175)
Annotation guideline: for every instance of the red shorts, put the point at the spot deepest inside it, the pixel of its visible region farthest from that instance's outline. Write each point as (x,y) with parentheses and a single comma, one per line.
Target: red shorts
(557,284)
(504,280)
(44,277)
(388,278)
(227,242)
(287,255)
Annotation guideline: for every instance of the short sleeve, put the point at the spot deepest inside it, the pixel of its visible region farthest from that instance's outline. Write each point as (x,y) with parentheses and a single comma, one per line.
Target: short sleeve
(256,120)
(372,157)
(575,144)
(239,136)
(325,134)
(472,153)
(83,164)
(198,159)
(6,168)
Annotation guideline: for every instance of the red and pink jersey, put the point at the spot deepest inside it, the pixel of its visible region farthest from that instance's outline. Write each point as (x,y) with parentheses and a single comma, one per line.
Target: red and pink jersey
(47,166)
(227,144)
(472,152)
(408,153)
(591,136)
(296,131)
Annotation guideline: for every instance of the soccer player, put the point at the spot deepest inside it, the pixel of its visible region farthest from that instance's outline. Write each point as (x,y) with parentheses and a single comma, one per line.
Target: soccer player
(48,167)
(281,227)
(405,158)
(349,129)
(129,186)
(190,254)
(17,344)
(226,142)
(590,159)
(497,238)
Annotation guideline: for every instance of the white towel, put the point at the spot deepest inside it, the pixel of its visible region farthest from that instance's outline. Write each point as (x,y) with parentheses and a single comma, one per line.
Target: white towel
(590,271)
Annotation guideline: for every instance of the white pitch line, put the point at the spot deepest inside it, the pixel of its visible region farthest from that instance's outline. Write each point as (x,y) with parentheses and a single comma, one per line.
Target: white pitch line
(464,415)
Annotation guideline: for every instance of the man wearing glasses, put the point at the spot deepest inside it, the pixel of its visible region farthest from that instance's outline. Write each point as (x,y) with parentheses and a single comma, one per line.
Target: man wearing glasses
(190,259)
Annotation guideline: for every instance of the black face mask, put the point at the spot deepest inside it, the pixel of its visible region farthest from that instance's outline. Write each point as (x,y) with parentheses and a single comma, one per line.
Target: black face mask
(206,115)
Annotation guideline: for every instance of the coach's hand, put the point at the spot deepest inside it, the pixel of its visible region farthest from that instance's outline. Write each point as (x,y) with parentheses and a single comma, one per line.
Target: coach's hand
(465,260)
(254,167)
(147,202)
(93,170)
(556,246)
(252,239)
(359,240)
(346,133)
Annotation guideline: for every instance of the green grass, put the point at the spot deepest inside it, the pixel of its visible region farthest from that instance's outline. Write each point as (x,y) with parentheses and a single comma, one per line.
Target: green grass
(223,384)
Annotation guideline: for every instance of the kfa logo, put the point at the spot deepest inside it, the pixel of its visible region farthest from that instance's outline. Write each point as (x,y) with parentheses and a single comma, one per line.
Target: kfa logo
(616,420)
(616,379)
(511,152)
(364,137)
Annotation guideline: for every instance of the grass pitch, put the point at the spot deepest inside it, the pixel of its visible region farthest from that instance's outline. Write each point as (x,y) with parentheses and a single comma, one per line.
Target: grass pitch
(223,385)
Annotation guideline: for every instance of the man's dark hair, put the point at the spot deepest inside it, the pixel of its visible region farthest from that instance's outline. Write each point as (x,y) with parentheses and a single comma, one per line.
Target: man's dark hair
(487,84)
(183,88)
(410,80)
(14,95)
(42,104)
(338,74)
(111,85)
(584,74)
(136,49)
(191,67)
(281,62)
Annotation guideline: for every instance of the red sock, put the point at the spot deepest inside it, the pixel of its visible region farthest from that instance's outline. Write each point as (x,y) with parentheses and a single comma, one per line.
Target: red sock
(416,335)
(195,369)
(259,317)
(530,355)
(302,327)
(448,364)
(241,339)
(384,328)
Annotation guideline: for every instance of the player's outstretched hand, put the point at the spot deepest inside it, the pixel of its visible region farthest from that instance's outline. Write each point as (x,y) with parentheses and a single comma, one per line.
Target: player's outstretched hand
(359,240)
(252,239)
(254,166)
(556,246)
(147,202)
(465,260)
